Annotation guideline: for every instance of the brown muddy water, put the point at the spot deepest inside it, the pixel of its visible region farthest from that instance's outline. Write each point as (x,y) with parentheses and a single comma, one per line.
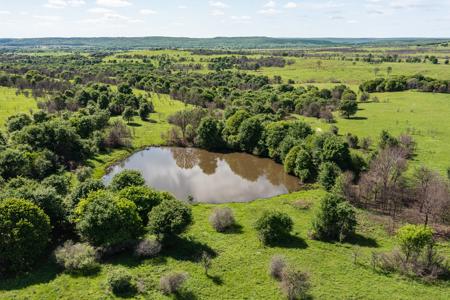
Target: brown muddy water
(208,177)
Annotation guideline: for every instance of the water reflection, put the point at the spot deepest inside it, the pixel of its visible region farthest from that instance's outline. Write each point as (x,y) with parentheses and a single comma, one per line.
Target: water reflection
(209,177)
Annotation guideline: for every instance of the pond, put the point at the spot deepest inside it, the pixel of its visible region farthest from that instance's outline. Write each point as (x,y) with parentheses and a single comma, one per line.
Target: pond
(209,177)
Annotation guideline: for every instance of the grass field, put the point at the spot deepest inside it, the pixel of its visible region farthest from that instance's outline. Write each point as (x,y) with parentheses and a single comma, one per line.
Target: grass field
(145,133)
(11,104)
(239,269)
(423,115)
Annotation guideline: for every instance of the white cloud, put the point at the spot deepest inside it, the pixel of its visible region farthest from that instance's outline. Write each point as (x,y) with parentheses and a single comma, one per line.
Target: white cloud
(182,6)
(113,3)
(291,5)
(269,11)
(99,10)
(48,18)
(5,12)
(218,4)
(64,3)
(241,19)
(270,4)
(147,12)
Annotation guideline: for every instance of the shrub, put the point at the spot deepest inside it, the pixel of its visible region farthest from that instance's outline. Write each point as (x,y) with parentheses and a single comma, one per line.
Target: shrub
(121,282)
(295,284)
(335,219)
(61,183)
(276,267)
(327,175)
(82,191)
(171,283)
(83,173)
(24,234)
(125,179)
(414,238)
(147,248)
(222,219)
(169,218)
(105,220)
(273,226)
(145,199)
(79,258)
(304,166)
(118,135)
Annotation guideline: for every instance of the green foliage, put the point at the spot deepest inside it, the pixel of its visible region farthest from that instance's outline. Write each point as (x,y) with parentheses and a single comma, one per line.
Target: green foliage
(82,190)
(275,134)
(334,149)
(125,179)
(328,172)
(61,183)
(209,134)
(106,220)
(79,258)
(144,198)
(335,219)
(414,238)
(273,226)
(348,108)
(24,234)
(250,134)
(121,282)
(289,161)
(305,168)
(14,163)
(128,114)
(169,218)
(17,122)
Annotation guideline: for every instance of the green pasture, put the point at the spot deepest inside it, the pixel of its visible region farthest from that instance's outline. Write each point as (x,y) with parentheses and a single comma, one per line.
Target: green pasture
(240,266)
(11,104)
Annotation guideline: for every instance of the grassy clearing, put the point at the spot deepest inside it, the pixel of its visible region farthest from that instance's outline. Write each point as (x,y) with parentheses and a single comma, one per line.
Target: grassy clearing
(239,270)
(11,104)
(145,133)
(329,71)
(423,115)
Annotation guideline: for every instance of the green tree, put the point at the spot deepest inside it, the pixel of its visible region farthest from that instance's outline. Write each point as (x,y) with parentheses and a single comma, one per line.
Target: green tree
(106,220)
(125,179)
(209,134)
(335,220)
(413,239)
(348,108)
(273,226)
(128,114)
(24,234)
(169,218)
(250,134)
(328,172)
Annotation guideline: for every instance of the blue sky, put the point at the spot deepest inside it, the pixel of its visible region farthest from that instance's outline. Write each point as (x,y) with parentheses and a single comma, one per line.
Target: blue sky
(203,18)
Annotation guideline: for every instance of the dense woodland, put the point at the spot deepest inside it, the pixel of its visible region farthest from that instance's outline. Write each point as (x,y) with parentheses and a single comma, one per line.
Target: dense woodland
(50,205)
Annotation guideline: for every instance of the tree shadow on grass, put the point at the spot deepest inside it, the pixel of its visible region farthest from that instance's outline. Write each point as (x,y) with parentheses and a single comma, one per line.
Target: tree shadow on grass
(133,124)
(185,295)
(186,249)
(235,229)
(217,280)
(362,241)
(42,273)
(291,242)
(358,118)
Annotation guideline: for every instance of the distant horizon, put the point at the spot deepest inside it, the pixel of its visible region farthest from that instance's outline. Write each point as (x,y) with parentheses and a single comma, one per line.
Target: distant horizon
(237,36)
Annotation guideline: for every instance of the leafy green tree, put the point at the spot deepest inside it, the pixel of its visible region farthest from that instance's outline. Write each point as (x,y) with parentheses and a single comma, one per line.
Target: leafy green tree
(14,163)
(128,114)
(145,199)
(209,134)
(275,133)
(333,149)
(106,220)
(125,179)
(414,238)
(305,168)
(328,172)
(24,234)
(232,125)
(17,122)
(273,226)
(335,220)
(250,134)
(169,218)
(348,108)
(82,190)
(145,109)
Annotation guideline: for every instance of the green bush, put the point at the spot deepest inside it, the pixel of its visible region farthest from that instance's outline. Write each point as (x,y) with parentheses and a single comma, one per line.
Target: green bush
(414,238)
(304,166)
(79,258)
(273,226)
(328,173)
(121,282)
(125,179)
(335,219)
(24,234)
(61,183)
(82,191)
(145,199)
(106,220)
(169,218)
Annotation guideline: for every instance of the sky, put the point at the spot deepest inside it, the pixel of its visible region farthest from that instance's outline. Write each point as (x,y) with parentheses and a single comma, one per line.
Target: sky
(204,18)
